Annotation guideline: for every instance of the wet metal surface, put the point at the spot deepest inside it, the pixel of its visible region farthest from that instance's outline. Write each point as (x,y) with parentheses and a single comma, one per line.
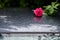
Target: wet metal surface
(23,20)
(28,37)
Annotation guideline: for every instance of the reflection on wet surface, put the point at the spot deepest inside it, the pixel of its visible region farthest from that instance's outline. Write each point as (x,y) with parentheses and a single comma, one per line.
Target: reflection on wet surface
(38,19)
(23,20)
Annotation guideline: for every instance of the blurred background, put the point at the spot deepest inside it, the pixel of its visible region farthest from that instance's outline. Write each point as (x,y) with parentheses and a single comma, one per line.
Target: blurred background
(24,3)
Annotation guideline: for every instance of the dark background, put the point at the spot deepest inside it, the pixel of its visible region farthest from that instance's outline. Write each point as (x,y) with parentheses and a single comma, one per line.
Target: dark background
(24,3)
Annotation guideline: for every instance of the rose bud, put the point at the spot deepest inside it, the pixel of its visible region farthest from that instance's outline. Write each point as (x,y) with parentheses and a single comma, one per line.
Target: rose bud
(38,12)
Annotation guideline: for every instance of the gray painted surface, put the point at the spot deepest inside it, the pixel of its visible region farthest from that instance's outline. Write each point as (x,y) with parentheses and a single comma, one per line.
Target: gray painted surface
(23,20)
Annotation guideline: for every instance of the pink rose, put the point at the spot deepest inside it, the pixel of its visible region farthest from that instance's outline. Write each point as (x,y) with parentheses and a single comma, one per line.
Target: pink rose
(38,11)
